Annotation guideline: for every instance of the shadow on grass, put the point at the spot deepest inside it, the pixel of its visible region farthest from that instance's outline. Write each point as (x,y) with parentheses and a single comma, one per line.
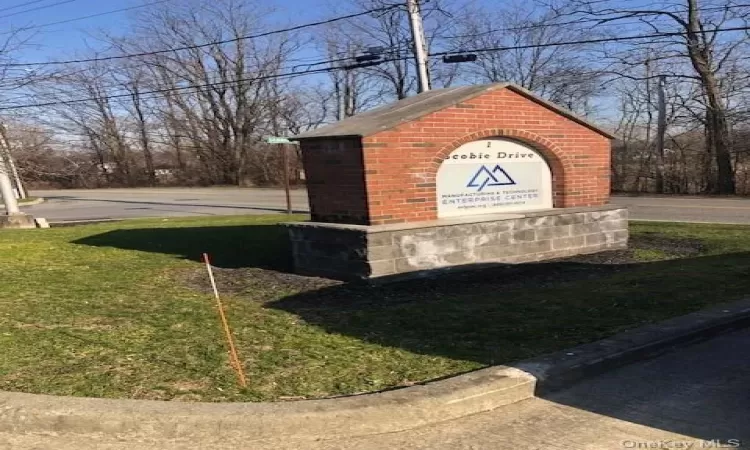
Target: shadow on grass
(499,314)
(504,314)
(263,246)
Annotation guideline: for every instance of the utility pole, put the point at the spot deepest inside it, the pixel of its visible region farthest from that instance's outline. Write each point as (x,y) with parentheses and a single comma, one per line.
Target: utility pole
(661,131)
(644,169)
(13,217)
(420,44)
(6,190)
(11,162)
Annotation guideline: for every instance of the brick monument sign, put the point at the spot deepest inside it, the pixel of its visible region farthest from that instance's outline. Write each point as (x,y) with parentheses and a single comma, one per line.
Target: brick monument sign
(451,178)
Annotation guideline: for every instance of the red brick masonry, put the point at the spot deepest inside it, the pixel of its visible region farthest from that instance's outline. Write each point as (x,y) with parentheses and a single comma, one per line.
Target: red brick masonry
(389,176)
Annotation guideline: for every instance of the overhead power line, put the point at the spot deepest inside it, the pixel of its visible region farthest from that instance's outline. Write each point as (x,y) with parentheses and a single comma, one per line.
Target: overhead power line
(208,44)
(165,90)
(585,41)
(90,16)
(38,8)
(608,21)
(300,65)
(21,5)
(294,28)
(392,55)
(145,95)
(328,69)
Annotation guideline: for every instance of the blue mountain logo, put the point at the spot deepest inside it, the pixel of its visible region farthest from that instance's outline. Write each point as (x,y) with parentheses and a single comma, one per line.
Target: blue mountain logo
(486,177)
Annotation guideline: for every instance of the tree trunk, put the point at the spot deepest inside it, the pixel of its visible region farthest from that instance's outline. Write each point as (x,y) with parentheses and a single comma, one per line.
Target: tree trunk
(661,131)
(145,143)
(725,180)
(700,51)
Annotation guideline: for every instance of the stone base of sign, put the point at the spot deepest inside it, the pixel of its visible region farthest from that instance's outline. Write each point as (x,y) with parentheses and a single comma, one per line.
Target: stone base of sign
(360,252)
(19,220)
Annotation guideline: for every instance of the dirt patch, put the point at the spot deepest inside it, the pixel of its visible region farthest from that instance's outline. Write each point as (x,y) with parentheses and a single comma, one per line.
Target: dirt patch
(260,284)
(554,272)
(669,246)
(263,285)
(676,247)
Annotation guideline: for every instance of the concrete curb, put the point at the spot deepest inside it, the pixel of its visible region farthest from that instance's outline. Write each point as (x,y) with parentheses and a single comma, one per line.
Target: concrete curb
(383,412)
(390,411)
(561,369)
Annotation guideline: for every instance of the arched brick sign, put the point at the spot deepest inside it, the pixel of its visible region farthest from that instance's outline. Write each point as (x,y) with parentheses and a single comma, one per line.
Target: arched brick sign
(412,187)
(493,175)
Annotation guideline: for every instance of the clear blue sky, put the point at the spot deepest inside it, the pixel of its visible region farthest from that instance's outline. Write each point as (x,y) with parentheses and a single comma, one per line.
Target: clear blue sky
(66,40)
(72,40)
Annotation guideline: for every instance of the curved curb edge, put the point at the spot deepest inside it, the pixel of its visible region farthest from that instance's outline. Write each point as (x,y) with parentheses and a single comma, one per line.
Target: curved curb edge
(383,412)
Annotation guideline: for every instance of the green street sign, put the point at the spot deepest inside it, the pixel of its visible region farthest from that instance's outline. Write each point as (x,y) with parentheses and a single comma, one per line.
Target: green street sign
(280,140)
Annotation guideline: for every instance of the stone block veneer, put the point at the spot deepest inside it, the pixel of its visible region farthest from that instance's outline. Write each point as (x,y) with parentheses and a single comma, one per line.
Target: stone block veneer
(360,252)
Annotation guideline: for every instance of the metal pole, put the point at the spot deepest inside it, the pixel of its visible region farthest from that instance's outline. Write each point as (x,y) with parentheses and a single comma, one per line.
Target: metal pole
(420,44)
(11,163)
(6,190)
(285,155)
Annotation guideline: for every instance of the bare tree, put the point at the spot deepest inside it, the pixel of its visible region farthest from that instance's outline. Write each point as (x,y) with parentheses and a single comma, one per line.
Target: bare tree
(700,51)
(533,59)
(209,105)
(226,112)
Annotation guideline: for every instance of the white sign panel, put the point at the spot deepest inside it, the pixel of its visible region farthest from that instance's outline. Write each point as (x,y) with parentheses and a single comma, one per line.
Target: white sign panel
(492,176)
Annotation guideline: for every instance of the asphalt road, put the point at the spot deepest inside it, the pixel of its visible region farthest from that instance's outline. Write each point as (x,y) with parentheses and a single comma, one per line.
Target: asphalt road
(687,209)
(96,204)
(68,205)
(693,398)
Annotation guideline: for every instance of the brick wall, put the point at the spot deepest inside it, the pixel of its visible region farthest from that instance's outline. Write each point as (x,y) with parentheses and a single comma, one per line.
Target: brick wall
(400,164)
(335,180)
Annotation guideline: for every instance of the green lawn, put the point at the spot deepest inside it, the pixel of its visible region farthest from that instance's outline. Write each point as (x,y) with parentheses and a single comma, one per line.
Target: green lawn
(122,310)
